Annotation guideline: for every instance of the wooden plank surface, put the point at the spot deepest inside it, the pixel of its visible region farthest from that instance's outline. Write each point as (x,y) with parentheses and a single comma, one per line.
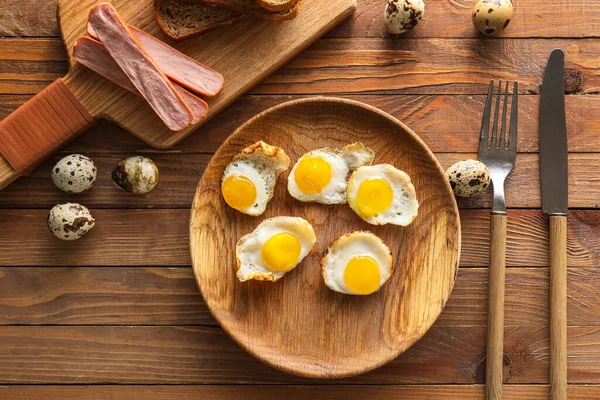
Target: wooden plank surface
(443,19)
(160,238)
(169,296)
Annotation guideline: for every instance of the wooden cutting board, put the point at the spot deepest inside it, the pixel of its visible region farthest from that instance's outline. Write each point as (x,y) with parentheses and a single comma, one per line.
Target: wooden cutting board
(245,53)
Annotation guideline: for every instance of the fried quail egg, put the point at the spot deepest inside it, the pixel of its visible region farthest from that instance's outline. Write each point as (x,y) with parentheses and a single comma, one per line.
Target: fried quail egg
(74,173)
(402,15)
(468,178)
(248,182)
(321,175)
(357,263)
(275,247)
(381,194)
(491,17)
(137,175)
(70,221)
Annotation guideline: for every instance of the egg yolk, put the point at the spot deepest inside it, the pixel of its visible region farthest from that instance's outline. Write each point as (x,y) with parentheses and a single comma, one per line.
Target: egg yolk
(312,174)
(374,196)
(281,251)
(362,275)
(238,191)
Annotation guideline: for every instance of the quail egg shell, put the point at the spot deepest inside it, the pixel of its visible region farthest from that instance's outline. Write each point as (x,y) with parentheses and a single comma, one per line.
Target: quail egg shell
(468,178)
(274,248)
(382,194)
(402,15)
(75,173)
(137,175)
(321,175)
(248,182)
(70,221)
(491,17)
(358,263)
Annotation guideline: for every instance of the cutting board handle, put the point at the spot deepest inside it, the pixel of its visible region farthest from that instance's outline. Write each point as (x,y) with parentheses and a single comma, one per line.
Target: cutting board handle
(38,128)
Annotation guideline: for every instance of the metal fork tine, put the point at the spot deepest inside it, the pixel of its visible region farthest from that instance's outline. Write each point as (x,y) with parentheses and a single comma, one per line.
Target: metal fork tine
(512,140)
(495,121)
(485,121)
(504,109)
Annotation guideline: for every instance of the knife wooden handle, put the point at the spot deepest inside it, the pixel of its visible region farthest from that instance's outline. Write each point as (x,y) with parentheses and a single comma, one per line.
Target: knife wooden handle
(39,127)
(558,307)
(495,335)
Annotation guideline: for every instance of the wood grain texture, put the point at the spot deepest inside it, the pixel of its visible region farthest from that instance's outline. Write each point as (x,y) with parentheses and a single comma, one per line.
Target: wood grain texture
(244,53)
(180,174)
(443,19)
(495,332)
(291,392)
(447,123)
(160,238)
(334,339)
(558,307)
(179,355)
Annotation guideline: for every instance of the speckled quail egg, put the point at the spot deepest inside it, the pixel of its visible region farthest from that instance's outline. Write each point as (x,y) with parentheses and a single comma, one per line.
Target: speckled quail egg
(70,221)
(491,17)
(137,175)
(468,178)
(402,15)
(75,173)
(248,182)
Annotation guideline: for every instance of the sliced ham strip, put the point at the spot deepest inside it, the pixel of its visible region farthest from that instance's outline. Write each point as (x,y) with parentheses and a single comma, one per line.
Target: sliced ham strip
(180,68)
(93,55)
(139,67)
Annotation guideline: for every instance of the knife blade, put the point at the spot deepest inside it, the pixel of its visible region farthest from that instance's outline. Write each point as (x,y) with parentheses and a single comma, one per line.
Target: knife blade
(553,137)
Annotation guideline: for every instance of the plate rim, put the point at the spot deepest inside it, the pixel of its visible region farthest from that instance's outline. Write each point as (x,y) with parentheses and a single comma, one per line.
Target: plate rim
(455,210)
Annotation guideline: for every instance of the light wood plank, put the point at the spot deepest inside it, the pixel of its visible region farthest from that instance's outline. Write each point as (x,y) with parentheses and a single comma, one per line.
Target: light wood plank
(160,238)
(178,355)
(291,392)
(376,66)
(169,296)
(447,123)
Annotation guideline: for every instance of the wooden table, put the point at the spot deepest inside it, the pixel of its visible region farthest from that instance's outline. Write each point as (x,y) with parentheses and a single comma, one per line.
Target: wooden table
(119,314)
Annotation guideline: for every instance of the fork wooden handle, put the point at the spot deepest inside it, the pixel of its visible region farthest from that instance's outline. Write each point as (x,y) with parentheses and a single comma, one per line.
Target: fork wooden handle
(495,336)
(558,307)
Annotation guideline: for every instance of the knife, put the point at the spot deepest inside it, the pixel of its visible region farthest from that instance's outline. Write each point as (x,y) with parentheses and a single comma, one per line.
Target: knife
(554,182)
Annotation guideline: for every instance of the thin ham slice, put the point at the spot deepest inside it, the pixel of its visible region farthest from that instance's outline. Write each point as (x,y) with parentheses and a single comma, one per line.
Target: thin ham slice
(180,68)
(92,54)
(139,67)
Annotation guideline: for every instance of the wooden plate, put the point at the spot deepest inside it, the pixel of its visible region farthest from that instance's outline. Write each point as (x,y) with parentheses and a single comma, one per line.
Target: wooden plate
(297,324)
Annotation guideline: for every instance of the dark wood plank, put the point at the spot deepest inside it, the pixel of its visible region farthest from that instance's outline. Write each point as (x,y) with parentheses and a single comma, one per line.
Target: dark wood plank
(291,392)
(169,296)
(447,123)
(178,355)
(376,66)
(533,18)
(160,238)
(180,173)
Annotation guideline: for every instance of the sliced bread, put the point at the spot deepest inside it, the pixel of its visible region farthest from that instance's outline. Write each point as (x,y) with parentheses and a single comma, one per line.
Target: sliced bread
(180,21)
(251,8)
(276,5)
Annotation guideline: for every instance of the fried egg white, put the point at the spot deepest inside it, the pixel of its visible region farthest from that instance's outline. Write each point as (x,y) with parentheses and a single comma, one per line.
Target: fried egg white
(275,247)
(381,194)
(321,175)
(358,263)
(248,182)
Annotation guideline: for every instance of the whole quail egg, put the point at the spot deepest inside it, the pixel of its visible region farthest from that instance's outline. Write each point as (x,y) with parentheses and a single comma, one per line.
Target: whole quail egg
(70,221)
(75,173)
(402,15)
(137,175)
(468,178)
(491,17)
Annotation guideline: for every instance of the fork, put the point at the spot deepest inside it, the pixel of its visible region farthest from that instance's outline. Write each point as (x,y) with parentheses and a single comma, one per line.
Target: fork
(499,156)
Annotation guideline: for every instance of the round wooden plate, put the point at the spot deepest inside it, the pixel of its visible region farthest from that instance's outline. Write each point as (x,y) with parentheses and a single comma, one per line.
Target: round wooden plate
(297,324)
